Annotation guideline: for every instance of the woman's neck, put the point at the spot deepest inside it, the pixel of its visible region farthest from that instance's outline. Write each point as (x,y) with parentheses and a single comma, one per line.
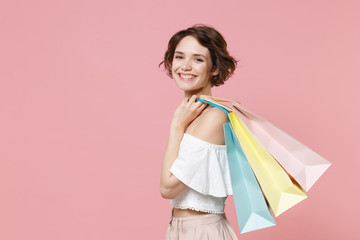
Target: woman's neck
(198,92)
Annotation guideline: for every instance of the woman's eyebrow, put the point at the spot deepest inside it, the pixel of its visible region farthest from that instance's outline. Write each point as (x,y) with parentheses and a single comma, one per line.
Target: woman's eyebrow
(199,55)
(195,54)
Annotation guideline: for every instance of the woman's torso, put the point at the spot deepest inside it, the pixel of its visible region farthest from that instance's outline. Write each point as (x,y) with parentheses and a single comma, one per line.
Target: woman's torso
(191,129)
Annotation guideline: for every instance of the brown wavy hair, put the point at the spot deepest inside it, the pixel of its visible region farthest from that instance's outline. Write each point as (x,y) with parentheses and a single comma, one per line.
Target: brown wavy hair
(214,42)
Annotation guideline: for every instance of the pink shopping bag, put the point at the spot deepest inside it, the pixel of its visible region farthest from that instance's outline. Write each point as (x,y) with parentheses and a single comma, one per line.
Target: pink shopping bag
(302,163)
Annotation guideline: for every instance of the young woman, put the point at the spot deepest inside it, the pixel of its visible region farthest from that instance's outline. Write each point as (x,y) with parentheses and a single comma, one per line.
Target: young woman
(195,174)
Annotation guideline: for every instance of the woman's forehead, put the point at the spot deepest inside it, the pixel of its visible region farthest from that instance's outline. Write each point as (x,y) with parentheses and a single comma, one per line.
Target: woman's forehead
(190,45)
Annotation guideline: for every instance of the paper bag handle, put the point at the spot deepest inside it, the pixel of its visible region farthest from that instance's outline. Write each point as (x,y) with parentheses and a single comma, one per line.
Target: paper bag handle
(216,99)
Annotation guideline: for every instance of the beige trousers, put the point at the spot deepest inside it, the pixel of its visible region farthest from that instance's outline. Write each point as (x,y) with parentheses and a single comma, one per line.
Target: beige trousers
(208,226)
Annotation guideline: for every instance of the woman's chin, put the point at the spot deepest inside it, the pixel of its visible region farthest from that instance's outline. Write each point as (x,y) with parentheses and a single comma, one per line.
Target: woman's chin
(187,87)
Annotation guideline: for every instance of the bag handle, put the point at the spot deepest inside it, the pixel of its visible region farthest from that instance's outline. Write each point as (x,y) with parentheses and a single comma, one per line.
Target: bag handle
(216,105)
(215,99)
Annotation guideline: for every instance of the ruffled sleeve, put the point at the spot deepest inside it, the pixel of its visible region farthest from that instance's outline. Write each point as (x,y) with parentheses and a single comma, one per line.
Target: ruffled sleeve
(203,166)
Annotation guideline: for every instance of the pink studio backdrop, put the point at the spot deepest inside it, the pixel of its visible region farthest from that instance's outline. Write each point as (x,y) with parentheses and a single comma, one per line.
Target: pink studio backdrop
(85,111)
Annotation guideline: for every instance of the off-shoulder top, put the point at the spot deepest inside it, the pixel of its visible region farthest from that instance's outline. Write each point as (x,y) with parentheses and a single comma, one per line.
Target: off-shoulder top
(203,167)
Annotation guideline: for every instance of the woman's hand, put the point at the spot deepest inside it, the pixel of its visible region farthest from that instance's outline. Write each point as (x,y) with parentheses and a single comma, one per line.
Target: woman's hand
(188,110)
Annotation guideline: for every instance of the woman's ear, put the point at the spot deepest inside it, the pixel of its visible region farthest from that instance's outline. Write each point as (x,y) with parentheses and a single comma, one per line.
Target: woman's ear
(215,72)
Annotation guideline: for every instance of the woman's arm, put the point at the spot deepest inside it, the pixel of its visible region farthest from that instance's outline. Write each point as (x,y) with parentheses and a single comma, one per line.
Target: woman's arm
(170,186)
(188,110)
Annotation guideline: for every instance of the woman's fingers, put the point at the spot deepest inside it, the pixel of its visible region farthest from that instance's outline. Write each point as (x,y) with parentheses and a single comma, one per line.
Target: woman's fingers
(195,105)
(203,105)
(191,100)
(188,110)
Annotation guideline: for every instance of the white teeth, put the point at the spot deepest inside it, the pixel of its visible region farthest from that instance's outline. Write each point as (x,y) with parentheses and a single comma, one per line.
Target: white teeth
(187,76)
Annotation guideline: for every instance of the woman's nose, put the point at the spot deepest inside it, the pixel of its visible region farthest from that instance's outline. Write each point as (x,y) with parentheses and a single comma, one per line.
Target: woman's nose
(186,65)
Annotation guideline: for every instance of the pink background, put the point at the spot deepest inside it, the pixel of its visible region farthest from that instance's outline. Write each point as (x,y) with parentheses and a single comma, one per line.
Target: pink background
(85,111)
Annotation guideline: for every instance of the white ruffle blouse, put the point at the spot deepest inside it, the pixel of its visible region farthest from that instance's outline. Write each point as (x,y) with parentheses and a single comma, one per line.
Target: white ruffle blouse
(203,167)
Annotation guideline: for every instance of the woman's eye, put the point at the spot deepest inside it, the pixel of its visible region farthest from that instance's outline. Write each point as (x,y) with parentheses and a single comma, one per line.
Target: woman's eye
(199,60)
(178,57)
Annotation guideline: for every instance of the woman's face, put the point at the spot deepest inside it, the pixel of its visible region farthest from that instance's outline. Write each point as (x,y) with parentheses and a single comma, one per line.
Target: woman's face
(191,65)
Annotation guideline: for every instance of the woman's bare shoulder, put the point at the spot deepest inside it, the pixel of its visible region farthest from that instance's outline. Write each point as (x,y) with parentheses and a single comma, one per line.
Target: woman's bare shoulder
(210,127)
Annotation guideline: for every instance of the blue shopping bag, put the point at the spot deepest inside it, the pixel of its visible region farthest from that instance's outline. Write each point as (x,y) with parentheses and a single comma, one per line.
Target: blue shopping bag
(251,209)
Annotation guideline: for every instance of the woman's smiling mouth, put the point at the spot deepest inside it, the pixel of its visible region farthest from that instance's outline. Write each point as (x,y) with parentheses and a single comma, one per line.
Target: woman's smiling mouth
(186,77)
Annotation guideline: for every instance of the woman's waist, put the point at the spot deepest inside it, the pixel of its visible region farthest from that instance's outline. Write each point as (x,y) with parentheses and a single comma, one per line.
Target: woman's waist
(179,213)
(192,218)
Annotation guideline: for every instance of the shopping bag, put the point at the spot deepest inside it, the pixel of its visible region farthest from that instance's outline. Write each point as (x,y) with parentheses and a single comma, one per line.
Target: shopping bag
(251,209)
(303,164)
(280,190)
